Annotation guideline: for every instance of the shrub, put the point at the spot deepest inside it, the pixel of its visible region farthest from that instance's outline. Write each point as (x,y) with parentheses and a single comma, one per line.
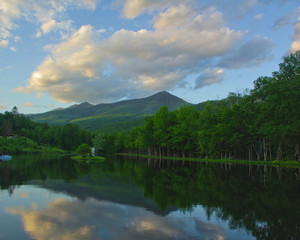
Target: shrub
(84,150)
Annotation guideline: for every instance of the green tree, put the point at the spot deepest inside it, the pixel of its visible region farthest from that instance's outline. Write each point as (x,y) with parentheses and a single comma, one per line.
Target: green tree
(147,134)
(99,143)
(184,131)
(84,150)
(288,68)
(15,110)
(162,126)
(207,122)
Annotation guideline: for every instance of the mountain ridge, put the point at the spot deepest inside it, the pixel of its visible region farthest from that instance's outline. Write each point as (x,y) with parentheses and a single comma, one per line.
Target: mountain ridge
(108,117)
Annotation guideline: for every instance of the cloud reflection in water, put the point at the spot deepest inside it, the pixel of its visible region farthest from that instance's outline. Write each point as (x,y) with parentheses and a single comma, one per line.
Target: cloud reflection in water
(92,219)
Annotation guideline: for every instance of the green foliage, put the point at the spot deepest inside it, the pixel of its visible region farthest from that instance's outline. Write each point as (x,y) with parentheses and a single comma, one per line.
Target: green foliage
(84,150)
(67,137)
(261,124)
(18,145)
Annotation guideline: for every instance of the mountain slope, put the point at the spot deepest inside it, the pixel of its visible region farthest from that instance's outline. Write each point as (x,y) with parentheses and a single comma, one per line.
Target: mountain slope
(112,116)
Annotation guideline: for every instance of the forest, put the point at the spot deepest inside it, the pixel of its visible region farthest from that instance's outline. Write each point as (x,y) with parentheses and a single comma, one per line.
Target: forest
(18,132)
(259,124)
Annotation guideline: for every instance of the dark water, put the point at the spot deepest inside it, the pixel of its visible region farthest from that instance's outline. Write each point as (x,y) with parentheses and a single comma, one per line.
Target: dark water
(44,197)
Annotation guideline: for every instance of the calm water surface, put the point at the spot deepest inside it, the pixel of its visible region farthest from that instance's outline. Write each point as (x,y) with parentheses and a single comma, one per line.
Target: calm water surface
(50,197)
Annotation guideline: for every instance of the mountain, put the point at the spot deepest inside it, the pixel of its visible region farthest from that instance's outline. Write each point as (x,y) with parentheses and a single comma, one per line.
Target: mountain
(110,117)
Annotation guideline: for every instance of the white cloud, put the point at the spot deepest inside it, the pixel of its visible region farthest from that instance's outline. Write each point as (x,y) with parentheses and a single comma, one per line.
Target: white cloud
(296,38)
(139,62)
(248,54)
(6,67)
(184,41)
(246,5)
(2,107)
(28,104)
(48,26)
(174,17)
(289,19)
(69,72)
(17,38)
(4,43)
(31,105)
(9,12)
(286,19)
(52,25)
(133,8)
(258,16)
(209,77)
(48,15)
(89,4)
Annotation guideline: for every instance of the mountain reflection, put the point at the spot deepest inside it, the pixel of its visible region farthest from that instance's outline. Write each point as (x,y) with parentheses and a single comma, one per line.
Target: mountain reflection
(130,198)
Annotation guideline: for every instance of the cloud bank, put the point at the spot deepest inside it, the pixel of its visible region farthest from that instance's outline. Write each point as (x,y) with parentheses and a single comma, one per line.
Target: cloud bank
(183,41)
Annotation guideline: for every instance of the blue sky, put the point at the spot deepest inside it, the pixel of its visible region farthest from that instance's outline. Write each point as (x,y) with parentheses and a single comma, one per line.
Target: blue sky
(57,53)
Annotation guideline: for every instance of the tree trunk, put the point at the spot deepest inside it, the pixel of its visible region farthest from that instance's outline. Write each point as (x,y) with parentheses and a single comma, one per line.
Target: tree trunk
(159,149)
(250,150)
(265,149)
(296,152)
(257,152)
(279,151)
(168,152)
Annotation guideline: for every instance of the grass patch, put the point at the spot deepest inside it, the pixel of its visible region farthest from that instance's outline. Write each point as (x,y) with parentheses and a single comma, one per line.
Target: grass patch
(287,164)
(88,159)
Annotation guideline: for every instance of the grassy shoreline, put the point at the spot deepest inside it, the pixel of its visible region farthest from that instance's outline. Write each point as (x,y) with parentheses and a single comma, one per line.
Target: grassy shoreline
(275,163)
(88,159)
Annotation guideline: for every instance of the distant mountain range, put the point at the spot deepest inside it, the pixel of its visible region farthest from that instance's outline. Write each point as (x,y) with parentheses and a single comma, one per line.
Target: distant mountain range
(112,117)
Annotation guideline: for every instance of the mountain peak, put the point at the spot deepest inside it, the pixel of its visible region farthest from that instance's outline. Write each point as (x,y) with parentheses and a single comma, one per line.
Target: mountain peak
(163,93)
(165,96)
(85,104)
(118,116)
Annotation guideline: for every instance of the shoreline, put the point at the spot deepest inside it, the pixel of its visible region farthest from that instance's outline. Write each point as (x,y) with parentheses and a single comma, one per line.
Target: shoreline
(275,163)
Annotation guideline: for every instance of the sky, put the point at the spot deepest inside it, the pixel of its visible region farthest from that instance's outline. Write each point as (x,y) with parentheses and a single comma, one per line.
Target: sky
(55,53)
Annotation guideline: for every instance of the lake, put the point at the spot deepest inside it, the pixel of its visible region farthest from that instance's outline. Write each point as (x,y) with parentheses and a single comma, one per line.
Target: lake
(53,197)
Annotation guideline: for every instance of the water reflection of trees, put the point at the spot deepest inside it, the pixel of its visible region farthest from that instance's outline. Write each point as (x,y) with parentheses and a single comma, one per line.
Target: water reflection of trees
(263,200)
(23,169)
(260,199)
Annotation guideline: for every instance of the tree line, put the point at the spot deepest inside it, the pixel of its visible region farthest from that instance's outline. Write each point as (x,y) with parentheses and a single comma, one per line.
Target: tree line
(260,124)
(67,137)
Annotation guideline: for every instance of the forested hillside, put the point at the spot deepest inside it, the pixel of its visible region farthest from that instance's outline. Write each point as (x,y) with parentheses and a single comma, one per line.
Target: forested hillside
(22,129)
(110,117)
(262,124)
